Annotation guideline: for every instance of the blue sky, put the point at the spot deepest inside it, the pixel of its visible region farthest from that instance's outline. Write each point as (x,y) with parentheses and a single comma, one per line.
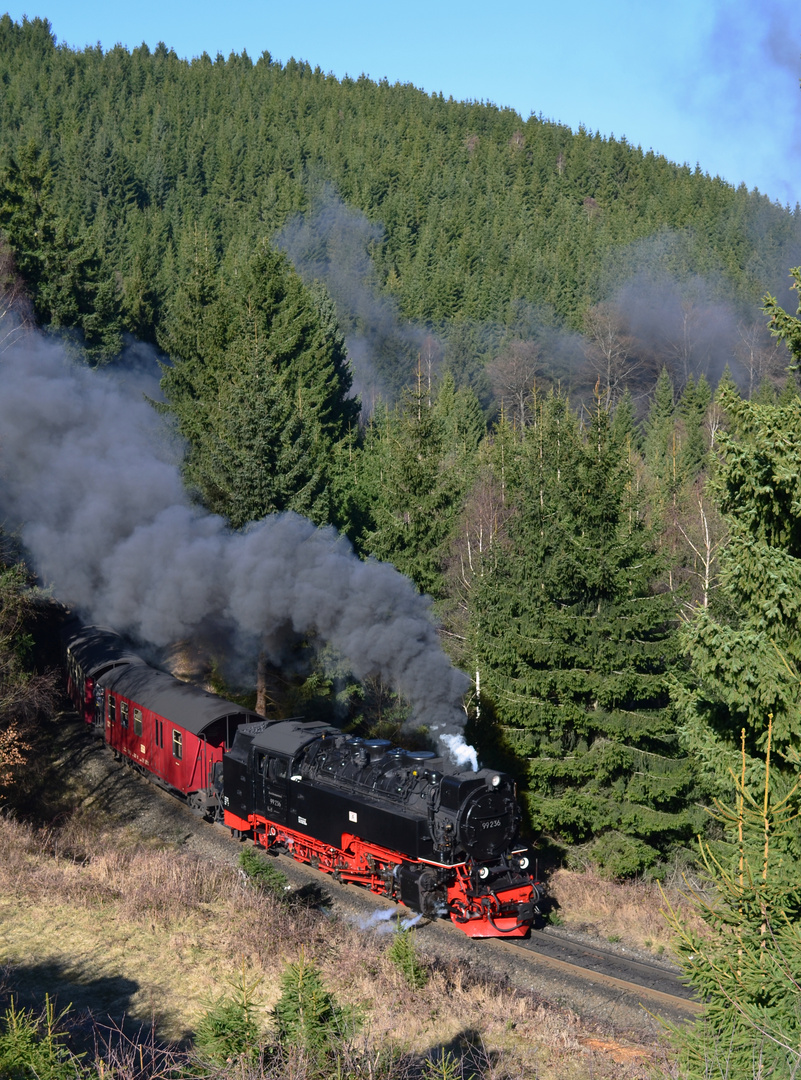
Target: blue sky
(713,82)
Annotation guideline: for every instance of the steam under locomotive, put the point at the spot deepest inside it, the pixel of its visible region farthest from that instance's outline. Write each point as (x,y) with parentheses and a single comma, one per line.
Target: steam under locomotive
(406,824)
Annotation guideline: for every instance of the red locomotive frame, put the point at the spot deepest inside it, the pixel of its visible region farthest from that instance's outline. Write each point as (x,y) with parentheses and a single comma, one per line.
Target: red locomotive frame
(488,914)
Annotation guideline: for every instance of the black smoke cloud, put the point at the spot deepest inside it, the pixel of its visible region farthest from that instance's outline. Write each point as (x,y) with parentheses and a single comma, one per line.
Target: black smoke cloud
(89,476)
(332,244)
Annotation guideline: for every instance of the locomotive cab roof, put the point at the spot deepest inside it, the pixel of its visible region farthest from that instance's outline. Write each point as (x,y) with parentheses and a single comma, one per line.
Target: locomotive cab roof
(285,737)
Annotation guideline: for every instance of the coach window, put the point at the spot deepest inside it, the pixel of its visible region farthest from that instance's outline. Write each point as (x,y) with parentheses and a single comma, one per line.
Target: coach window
(177,745)
(112,709)
(124,714)
(137,721)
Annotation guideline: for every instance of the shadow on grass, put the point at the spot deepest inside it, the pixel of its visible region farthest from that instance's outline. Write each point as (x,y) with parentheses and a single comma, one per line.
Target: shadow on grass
(85,999)
(59,779)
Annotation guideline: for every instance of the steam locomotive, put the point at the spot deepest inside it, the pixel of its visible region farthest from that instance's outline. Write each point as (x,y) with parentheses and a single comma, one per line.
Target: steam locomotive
(406,824)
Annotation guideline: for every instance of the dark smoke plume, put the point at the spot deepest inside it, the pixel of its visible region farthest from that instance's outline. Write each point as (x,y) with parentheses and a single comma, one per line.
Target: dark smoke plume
(332,244)
(90,478)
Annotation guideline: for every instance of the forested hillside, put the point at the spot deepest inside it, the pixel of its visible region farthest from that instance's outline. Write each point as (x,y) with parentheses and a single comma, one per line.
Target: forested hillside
(540,322)
(125,173)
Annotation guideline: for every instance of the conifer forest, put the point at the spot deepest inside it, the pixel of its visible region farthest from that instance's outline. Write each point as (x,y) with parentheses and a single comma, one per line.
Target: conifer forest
(548,376)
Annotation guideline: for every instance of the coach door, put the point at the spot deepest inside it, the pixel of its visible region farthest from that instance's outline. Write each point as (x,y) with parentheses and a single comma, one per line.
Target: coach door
(271,775)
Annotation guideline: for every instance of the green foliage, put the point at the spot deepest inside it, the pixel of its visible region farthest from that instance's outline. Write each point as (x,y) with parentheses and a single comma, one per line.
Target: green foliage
(33,1048)
(229,1028)
(262,872)
(621,856)
(746,649)
(446,1066)
(745,966)
(307,1015)
(485,215)
(575,647)
(784,326)
(403,955)
(260,393)
(419,461)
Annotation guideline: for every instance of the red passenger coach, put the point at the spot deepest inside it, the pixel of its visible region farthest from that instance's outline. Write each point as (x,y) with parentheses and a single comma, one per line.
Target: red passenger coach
(89,652)
(178,737)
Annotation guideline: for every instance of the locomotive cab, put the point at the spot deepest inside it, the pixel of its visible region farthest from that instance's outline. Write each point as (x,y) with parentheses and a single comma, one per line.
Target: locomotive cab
(270,778)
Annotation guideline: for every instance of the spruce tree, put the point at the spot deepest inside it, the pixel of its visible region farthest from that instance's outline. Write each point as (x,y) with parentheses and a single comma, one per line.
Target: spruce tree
(575,646)
(417,481)
(746,649)
(692,408)
(256,457)
(261,392)
(744,966)
(659,445)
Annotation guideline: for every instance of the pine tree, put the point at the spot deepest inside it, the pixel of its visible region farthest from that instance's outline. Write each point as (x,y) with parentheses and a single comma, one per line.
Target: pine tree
(746,650)
(745,966)
(575,648)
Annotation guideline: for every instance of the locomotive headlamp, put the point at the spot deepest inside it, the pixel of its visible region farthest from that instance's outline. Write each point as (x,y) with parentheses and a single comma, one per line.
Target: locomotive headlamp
(483,872)
(495,781)
(523,862)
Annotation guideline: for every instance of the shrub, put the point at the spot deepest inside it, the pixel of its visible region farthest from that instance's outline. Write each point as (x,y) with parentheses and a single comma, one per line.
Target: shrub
(229,1030)
(619,856)
(258,870)
(307,1015)
(32,1048)
(403,955)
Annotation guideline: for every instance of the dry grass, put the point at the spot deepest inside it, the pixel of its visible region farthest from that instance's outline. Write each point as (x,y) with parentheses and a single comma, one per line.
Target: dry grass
(629,911)
(116,925)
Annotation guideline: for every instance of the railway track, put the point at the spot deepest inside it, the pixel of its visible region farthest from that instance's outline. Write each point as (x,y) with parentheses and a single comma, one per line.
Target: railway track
(551,963)
(654,982)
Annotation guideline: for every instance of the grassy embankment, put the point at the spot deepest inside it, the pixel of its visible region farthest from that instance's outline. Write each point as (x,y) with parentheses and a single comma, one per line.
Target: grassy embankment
(136,932)
(98,918)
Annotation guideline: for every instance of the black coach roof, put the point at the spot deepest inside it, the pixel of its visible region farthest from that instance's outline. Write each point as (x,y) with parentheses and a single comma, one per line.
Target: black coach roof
(184,705)
(98,648)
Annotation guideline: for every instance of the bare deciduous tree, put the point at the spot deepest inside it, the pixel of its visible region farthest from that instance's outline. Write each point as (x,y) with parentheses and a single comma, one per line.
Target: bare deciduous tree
(701,528)
(514,374)
(16,313)
(611,351)
(761,355)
